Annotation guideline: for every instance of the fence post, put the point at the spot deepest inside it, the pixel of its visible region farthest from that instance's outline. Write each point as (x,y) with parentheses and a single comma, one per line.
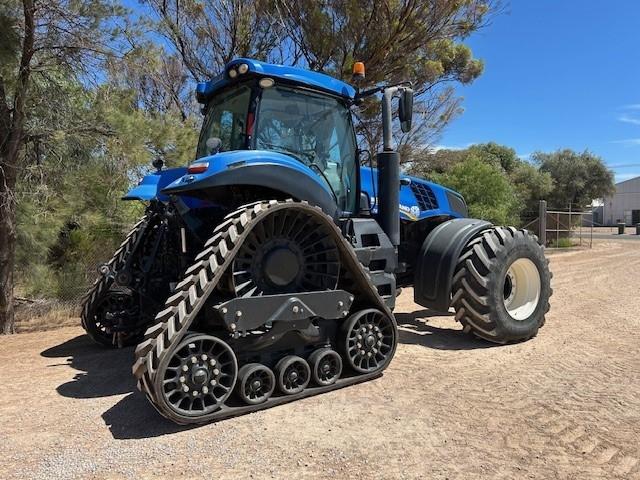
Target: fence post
(542,222)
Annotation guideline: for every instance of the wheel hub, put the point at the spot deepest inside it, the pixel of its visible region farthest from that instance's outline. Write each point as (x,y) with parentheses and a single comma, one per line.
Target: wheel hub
(200,376)
(522,288)
(293,376)
(281,266)
(256,385)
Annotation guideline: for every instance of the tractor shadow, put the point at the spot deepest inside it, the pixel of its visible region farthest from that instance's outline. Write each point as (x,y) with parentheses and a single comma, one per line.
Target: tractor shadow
(415,329)
(104,373)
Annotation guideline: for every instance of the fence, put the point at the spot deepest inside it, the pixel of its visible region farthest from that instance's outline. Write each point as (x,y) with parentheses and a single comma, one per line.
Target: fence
(562,228)
(51,281)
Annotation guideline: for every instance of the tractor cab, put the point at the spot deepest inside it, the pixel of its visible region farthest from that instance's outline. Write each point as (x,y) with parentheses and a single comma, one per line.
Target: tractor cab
(272,108)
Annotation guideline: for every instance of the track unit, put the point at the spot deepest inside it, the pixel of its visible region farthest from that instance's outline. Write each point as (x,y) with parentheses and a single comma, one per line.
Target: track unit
(270,341)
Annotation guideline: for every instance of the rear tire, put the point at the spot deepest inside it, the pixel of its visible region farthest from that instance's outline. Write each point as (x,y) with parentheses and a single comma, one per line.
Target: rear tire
(501,286)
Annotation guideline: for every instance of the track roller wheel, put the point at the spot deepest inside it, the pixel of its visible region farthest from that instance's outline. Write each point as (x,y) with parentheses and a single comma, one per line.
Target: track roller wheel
(326,366)
(293,374)
(256,383)
(368,340)
(195,377)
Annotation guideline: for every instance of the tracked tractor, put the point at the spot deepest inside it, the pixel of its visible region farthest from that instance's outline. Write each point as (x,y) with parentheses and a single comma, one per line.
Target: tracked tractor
(267,270)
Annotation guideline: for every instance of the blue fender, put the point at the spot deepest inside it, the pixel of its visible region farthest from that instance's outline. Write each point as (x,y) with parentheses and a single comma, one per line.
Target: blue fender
(260,168)
(151,185)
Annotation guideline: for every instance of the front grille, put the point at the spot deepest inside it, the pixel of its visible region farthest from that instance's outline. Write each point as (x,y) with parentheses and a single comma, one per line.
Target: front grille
(424,195)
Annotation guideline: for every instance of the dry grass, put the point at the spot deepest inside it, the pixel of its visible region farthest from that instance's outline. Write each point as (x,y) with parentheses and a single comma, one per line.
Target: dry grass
(42,315)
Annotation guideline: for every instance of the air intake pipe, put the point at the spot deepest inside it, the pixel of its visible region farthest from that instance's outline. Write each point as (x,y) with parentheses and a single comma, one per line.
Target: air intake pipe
(389,163)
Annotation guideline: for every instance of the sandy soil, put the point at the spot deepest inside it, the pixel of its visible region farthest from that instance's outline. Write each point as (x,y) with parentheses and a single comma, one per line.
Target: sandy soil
(564,405)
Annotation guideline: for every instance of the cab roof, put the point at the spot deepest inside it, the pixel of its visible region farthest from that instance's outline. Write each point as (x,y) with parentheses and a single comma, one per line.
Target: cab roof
(290,75)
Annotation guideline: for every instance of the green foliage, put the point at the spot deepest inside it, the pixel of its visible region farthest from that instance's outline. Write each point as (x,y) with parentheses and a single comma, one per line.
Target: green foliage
(528,184)
(486,189)
(96,144)
(578,177)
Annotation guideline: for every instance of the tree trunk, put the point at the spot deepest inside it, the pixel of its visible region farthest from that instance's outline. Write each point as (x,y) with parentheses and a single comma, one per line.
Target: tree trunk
(7,249)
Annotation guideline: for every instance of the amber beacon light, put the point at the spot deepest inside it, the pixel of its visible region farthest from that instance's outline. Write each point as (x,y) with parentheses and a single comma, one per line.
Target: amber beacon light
(358,70)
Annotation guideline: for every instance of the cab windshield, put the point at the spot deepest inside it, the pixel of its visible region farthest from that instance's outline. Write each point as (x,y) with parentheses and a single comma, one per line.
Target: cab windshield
(226,119)
(314,129)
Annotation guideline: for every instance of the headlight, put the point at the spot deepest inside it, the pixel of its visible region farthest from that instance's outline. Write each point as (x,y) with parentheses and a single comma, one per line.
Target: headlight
(243,68)
(233,73)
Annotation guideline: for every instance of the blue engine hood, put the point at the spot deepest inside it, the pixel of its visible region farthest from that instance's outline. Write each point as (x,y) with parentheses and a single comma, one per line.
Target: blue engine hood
(419,198)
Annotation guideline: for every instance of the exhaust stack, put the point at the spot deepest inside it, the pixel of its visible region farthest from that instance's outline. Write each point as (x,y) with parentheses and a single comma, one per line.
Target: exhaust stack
(389,162)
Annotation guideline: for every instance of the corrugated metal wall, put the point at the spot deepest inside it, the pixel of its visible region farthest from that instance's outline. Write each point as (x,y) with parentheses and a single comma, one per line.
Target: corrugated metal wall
(624,206)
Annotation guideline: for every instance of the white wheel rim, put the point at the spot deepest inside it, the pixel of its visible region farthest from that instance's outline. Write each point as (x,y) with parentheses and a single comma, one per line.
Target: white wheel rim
(522,289)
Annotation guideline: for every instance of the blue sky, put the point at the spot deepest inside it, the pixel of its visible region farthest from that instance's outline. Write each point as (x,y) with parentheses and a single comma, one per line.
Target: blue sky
(558,73)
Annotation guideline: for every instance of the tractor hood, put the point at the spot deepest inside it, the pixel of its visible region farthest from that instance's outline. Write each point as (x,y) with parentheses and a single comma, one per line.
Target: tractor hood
(419,199)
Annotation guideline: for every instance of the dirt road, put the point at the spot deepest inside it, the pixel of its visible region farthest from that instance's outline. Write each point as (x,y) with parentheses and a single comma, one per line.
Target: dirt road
(564,405)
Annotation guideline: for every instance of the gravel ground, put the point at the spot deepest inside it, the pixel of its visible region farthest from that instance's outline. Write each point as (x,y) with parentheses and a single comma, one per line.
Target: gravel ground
(563,405)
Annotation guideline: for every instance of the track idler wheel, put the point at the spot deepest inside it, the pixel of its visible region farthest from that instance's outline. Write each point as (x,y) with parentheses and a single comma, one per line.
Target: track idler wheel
(256,383)
(326,366)
(113,320)
(293,374)
(196,377)
(368,340)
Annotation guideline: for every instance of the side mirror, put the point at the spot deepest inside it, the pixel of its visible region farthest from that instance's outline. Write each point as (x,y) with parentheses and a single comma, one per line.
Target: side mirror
(213,144)
(158,163)
(405,109)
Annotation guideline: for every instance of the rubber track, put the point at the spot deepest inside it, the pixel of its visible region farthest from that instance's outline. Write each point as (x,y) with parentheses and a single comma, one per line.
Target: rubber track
(119,258)
(203,276)
(470,301)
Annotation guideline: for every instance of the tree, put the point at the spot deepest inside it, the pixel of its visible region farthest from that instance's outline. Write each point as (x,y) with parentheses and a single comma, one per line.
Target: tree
(578,178)
(485,188)
(529,184)
(406,40)
(46,42)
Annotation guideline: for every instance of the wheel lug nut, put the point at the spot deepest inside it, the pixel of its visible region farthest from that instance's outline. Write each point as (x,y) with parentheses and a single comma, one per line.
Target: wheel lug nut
(379,335)
(204,357)
(185,388)
(182,379)
(359,345)
(370,327)
(212,362)
(362,352)
(359,337)
(212,382)
(194,360)
(369,354)
(216,371)
(185,368)
(205,390)
(379,343)
(195,393)
(374,350)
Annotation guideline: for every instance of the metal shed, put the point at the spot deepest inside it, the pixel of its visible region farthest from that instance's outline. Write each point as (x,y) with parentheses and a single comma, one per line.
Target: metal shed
(624,204)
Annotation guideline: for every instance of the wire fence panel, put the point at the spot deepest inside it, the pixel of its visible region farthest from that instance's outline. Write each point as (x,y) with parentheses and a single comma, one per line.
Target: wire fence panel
(52,280)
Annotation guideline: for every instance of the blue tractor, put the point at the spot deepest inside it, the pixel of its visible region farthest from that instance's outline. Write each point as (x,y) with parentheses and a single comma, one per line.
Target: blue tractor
(267,270)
